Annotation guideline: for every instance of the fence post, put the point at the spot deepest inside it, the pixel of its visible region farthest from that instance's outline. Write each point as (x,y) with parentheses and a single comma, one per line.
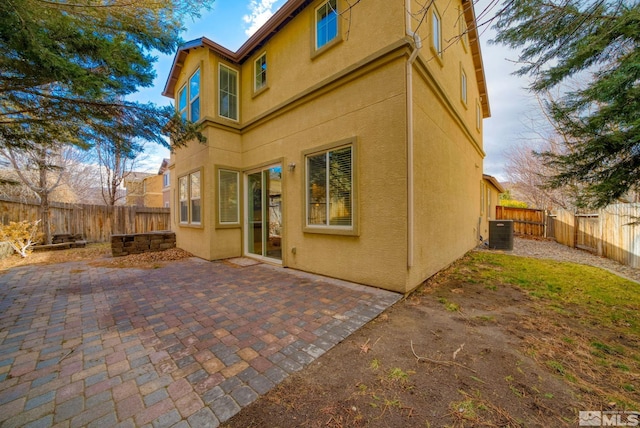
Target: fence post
(576,226)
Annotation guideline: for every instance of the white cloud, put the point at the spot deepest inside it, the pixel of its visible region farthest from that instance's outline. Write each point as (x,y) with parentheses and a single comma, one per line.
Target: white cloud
(261,11)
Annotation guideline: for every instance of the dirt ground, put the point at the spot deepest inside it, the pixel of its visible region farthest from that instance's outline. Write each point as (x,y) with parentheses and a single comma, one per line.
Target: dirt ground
(451,354)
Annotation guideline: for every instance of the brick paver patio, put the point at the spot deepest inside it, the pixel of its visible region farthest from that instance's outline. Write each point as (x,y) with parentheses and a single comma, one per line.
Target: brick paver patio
(188,344)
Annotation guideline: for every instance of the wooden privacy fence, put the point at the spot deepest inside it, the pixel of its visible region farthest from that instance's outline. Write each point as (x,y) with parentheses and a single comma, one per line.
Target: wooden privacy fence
(526,221)
(609,232)
(96,223)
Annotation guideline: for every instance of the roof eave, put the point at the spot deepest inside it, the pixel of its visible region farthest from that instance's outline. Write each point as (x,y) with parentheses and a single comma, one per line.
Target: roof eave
(284,14)
(176,67)
(476,53)
(491,179)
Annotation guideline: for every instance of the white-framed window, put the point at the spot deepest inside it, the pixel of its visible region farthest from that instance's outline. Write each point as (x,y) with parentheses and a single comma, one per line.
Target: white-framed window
(462,28)
(183,198)
(436,33)
(194,194)
(228,197)
(194,96)
(228,92)
(463,86)
(260,72)
(326,20)
(189,198)
(166,179)
(189,98)
(330,188)
(182,103)
(478,116)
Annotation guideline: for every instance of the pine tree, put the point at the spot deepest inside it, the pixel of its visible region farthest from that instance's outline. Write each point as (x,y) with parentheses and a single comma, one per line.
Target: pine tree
(598,43)
(67,68)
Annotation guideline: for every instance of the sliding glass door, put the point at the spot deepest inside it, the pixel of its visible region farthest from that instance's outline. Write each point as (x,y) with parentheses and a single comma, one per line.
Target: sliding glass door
(263,231)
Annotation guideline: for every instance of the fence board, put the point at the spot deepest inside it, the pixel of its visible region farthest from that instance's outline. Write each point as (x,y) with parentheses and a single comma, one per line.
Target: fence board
(588,232)
(608,233)
(564,227)
(96,223)
(526,221)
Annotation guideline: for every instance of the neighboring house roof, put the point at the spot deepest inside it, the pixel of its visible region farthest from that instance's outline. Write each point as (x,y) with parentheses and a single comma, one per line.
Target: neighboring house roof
(491,179)
(163,166)
(135,176)
(285,14)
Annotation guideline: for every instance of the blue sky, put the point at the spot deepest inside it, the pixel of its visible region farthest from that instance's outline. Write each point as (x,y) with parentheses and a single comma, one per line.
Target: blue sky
(231,22)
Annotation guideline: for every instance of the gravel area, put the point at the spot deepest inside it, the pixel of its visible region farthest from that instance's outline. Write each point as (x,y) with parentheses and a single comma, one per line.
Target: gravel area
(547,249)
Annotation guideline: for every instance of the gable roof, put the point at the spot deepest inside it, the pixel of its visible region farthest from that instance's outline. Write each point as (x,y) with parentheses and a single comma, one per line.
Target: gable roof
(285,14)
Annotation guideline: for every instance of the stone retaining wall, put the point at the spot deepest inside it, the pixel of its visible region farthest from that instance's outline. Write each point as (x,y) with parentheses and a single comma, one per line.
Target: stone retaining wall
(123,245)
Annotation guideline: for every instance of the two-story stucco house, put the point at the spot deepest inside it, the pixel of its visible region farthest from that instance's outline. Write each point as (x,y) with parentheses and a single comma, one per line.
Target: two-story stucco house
(341,141)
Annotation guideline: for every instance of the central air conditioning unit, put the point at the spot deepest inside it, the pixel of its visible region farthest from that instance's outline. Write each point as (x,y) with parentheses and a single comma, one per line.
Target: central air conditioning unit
(501,234)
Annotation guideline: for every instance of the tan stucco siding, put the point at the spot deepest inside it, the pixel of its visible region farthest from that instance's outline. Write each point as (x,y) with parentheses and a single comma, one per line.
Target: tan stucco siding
(292,64)
(205,241)
(226,151)
(448,170)
(369,110)
(188,237)
(455,58)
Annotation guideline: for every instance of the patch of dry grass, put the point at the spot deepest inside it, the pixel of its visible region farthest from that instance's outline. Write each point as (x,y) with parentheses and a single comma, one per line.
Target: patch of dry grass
(98,255)
(90,252)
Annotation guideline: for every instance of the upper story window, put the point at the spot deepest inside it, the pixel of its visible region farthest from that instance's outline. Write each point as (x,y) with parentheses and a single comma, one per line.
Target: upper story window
(478,116)
(228,92)
(463,86)
(194,96)
(462,28)
(182,103)
(326,23)
(436,33)
(190,110)
(260,72)
(165,179)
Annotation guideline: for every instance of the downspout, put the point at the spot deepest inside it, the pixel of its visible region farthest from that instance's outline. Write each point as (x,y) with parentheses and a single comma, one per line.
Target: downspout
(410,185)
